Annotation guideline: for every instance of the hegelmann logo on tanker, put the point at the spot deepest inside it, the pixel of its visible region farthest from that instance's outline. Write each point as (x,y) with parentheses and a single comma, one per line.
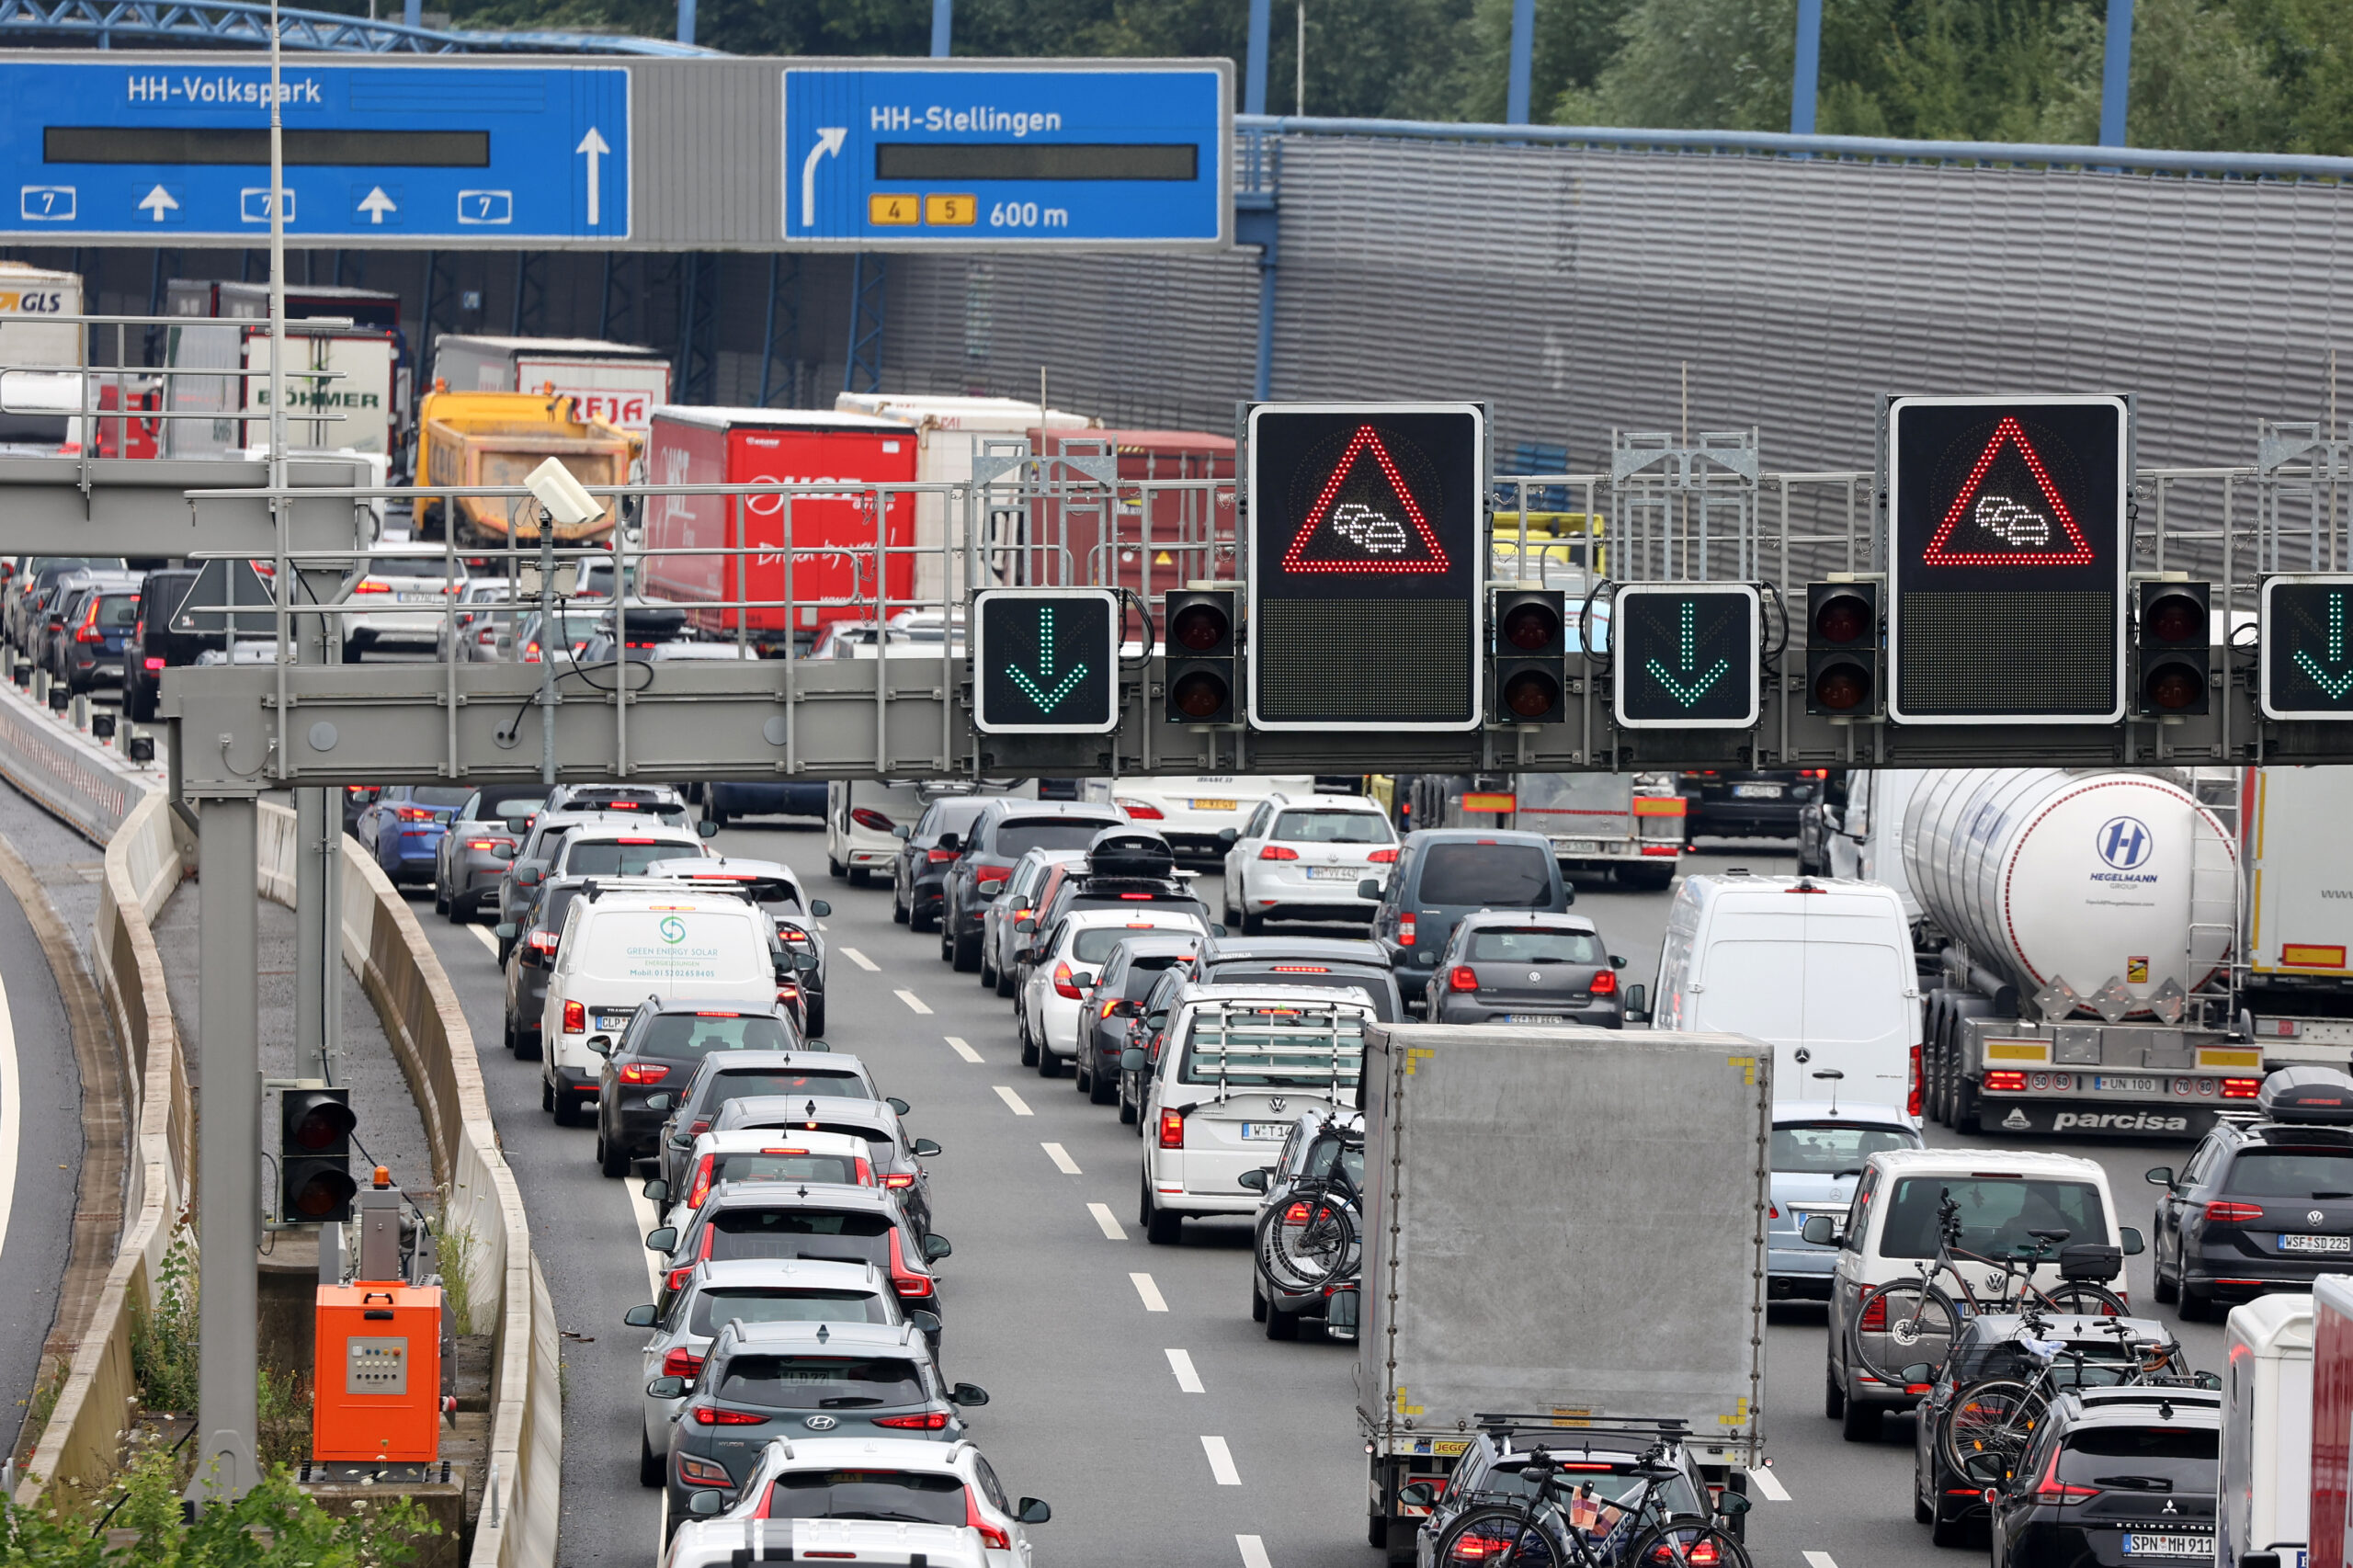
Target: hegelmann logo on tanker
(978,117)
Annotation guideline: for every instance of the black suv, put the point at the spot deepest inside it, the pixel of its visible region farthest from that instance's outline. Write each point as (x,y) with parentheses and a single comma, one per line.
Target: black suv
(663,1043)
(919,872)
(154,646)
(1004,832)
(2115,1475)
(1746,803)
(2265,1201)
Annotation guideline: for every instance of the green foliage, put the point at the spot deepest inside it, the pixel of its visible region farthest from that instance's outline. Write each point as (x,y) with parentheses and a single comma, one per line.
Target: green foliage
(163,1334)
(457,1256)
(274,1526)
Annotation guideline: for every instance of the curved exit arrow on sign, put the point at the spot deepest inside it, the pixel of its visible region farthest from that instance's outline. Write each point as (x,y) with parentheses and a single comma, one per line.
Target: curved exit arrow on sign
(829,141)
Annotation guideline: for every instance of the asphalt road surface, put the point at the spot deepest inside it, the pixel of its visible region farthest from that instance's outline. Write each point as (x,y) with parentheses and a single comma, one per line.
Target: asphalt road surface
(1131,1389)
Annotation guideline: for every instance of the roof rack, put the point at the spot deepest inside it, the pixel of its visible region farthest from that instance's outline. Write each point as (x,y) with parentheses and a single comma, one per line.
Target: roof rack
(1562,1421)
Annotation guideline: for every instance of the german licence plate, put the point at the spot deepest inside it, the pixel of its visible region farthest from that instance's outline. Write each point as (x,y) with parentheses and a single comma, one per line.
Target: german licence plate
(2316,1244)
(416,598)
(2137,1545)
(1534,1019)
(1580,846)
(1204,804)
(1264,1131)
(2128,1086)
(1333,874)
(1756,791)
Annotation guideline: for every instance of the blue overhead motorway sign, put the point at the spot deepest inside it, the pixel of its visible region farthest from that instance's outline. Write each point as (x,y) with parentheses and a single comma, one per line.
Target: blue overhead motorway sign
(1017,156)
(178,152)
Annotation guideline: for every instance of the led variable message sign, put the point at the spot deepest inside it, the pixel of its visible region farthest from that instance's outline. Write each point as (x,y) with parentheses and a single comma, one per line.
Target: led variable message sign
(1046,661)
(1686,656)
(2307,652)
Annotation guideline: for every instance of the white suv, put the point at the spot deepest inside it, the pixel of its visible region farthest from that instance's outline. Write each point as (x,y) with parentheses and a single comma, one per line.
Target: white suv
(1191,813)
(803,1489)
(1074,951)
(1301,857)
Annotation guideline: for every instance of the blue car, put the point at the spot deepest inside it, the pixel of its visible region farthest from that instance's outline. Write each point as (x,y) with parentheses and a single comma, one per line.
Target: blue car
(1819,1147)
(402,827)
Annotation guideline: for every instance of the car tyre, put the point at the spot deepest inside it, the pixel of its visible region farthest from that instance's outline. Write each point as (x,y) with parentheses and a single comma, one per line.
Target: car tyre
(1258,1311)
(611,1158)
(946,943)
(965,953)
(1127,1106)
(1859,1422)
(2168,1290)
(1281,1326)
(1097,1091)
(1049,1064)
(547,1096)
(2196,1306)
(442,900)
(1004,983)
(1161,1228)
(922,922)
(988,971)
(1252,924)
(1029,1046)
(1834,1393)
(566,1108)
(898,910)
(836,870)
(650,1465)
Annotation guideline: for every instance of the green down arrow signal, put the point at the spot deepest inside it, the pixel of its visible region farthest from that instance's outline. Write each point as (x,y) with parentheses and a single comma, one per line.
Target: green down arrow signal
(1690,689)
(2336,684)
(1036,690)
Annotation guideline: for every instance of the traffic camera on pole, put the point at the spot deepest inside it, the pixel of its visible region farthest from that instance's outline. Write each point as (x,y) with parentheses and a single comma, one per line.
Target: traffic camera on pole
(1203,657)
(315,1181)
(1530,661)
(1842,652)
(2174,661)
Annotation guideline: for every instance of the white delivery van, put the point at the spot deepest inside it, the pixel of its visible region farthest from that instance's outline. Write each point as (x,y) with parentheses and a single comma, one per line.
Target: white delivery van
(2267,1430)
(621,946)
(1819,968)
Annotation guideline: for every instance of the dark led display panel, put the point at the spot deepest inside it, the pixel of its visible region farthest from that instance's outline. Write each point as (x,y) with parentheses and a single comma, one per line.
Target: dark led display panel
(1366,566)
(2307,654)
(1685,655)
(2006,551)
(1036,160)
(1046,661)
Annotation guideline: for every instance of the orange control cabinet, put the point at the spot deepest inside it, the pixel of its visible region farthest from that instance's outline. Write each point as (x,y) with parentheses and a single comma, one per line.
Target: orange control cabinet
(376,1393)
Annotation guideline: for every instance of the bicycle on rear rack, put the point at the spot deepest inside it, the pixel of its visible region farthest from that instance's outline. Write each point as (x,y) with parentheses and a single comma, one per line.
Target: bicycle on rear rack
(1563,1524)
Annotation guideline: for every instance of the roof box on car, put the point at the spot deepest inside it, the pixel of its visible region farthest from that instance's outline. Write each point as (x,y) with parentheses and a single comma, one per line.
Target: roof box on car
(2307,1096)
(1128,851)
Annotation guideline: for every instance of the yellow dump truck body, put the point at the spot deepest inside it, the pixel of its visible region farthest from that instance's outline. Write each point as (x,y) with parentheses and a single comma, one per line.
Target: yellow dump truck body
(480,438)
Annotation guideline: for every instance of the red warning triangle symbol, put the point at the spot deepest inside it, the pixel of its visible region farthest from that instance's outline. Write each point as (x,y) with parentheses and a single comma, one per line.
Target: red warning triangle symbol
(2008,530)
(1364,536)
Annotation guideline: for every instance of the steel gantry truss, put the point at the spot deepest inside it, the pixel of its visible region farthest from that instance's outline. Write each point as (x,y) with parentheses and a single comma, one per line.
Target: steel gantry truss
(216,23)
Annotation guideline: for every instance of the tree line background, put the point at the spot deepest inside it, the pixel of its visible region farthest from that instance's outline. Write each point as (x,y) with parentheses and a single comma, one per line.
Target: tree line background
(2242,76)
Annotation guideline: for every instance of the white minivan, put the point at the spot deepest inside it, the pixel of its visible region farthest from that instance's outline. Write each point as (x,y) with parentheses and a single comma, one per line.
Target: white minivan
(1817,967)
(621,945)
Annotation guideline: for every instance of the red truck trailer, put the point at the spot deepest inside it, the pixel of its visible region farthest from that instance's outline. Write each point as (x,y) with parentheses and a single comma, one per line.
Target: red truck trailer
(833,543)
(2332,1417)
(1154,539)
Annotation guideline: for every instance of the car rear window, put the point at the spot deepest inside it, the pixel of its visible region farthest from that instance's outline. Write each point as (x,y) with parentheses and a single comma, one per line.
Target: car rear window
(616,858)
(1143,971)
(806,1081)
(1612,1488)
(1323,977)
(1331,827)
(1487,876)
(896,1495)
(777,1303)
(1997,1213)
(2292,1173)
(785,1163)
(118,611)
(2099,1363)
(552,908)
(821,1382)
(800,1233)
(2161,1460)
(1831,1148)
(440,794)
(1536,945)
(513,806)
(1094,943)
(687,1036)
(1022,835)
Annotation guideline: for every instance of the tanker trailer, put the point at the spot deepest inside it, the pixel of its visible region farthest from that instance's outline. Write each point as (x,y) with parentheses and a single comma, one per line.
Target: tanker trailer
(2083,925)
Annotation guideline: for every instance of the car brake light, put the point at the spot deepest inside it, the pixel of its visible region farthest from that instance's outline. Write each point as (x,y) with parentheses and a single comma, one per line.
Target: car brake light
(153,663)
(700,1189)
(1604,983)
(867,816)
(2005,1081)
(936,856)
(88,630)
(899,1179)
(1875,1316)
(1103,1009)
(370,585)
(701,1126)
(2241,1088)
(2050,1489)
(1911,1097)
(681,1363)
(1142,897)
(483,843)
(1772,1210)
(1295,1215)
(1404,930)
(643,1072)
(530,652)
(1382,856)
(1001,1540)
(1172,1129)
(637,841)
(1062,986)
(678,1278)
(2234,1213)
(709,1416)
(904,1280)
(991,876)
(1141,810)
(1276,852)
(414,813)
(930,1421)
(575,1018)
(545,941)
(1462,978)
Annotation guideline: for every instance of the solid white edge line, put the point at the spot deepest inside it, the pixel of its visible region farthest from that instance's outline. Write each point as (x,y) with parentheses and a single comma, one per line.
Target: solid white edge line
(485,936)
(1220,1459)
(911,1000)
(648,1217)
(964,1048)
(1012,1101)
(1254,1550)
(11,1113)
(1153,1300)
(1188,1378)
(1061,1156)
(1107,1222)
(861,960)
(1765,1481)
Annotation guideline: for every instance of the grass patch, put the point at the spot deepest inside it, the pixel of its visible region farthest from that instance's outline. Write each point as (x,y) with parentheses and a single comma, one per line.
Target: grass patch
(457,1254)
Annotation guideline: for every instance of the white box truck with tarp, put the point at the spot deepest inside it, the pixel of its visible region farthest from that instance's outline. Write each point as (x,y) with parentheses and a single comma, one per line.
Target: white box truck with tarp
(1499,1277)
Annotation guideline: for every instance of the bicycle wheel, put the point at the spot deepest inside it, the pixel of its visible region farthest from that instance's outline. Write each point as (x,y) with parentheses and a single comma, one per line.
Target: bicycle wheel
(1308,1242)
(1498,1538)
(1996,1416)
(1687,1541)
(1903,1323)
(2091,1301)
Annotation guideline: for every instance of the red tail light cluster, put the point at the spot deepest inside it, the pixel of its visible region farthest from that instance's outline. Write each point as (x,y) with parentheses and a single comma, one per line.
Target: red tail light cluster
(2234,1213)
(1875,1316)
(1912,1098)
(699,1187)
(575,1018)
(939,854)
(2050,1489)
(2005,1081)
(711,1415)
(370,585)
(1001,1540)
(1276,852)
(1062,985)
(414,813)
(991,876)
(2241,1088)
(1382,858)
(867,816)
(545,941)
(681,1362)
(1172,1129)
(1141,810)
(1462,978)
(930,1421)
(1604,983)
(1405,930)
(910,1285)
(643,1072)
(153,664)
(899,1178)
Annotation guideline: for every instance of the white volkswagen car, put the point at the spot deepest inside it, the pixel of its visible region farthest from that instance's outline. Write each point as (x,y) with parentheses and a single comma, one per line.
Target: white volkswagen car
(1302,857)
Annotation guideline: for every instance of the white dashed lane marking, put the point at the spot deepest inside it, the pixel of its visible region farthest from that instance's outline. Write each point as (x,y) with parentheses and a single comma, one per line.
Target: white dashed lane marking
(1820,1560)
(1108,1221)
(1769,1484)
(1254,1552)
(861,960)
(1061,1156)
(485,935)
(1013,1101)
(1149,1292)
(1221,1462)
(964,1048)
(1181,1363)
(911,1000)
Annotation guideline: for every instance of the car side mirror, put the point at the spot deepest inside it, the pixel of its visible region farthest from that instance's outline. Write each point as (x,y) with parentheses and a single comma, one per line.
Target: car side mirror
(925,1148)
(950,841)
(519,826)
(1227,836)
(899,830)
(1083,979)
(501,852)
(936,1247)
(667,1387)
(2159,1175)
(922,1321)
(1369,888)
(1216,929)
(1032,1511)
(1731,1504)
(1638,1004)
(530,876)
(706,829)
(1919,1375)
(2135,1244)
(662,1238)
(657,1102)
(601,1044)
(642,1317)
(1417,1495)
(804,959)
(1252,1181)
(1126,1009)
(507,931)
(656,1190)
(895,1103)
(1821,1229)
(821,908)
(968,1394)
(1131,1060)
(1617,963)
(1027,922)
(815,1045)
(704,1504)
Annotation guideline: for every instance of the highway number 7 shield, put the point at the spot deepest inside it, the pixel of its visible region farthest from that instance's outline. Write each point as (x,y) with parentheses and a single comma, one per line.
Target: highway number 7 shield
(2307,656)
(1046,661)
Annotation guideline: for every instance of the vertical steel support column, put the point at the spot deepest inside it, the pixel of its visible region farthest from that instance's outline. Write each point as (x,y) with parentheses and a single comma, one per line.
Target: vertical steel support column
(2116,75)
(1805,79)
(943,24)
(1523,59)
(686,22)
(412,13)
(229,1148)
(1254,78)
(1262,381)
(312,954)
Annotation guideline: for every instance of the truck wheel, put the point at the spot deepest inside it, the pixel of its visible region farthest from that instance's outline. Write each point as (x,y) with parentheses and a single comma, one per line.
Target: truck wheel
(1834,1393)
(1860,1423)
(1965,1106)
